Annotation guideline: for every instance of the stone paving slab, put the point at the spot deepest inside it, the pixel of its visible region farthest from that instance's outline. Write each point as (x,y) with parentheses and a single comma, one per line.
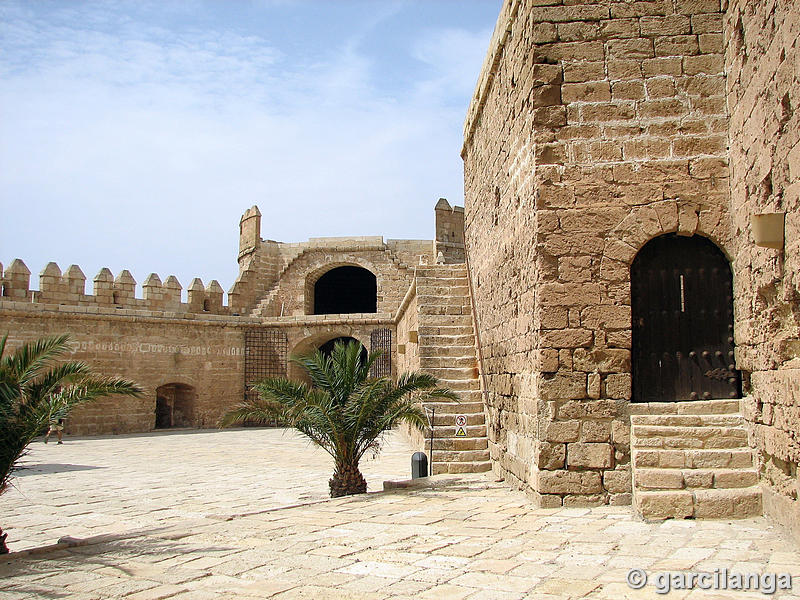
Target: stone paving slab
(93,485)
(468,538)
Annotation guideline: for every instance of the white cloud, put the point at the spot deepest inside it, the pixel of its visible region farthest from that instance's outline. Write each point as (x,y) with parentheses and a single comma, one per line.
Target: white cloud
(131,145)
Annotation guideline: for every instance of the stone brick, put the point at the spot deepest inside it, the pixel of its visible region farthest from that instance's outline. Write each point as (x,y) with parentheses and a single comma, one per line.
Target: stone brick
(550,456)
(617,482)
(562,431)
(589,455)
(569,482)
(592,91)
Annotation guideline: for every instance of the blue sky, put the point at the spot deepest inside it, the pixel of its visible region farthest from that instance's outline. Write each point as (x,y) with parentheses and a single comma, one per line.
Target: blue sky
(134,134)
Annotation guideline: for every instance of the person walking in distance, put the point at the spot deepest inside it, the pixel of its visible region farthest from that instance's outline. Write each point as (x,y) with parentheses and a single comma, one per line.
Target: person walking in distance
(57,427)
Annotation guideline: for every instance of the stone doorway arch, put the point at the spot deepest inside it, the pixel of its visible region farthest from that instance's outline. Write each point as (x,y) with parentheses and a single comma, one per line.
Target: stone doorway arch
(175,406)
(682,322)
(345,290)
(324,343)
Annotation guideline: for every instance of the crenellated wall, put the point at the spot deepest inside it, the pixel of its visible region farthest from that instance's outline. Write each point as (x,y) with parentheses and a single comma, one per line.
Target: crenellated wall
(158,339)
(69,289)
(763,64)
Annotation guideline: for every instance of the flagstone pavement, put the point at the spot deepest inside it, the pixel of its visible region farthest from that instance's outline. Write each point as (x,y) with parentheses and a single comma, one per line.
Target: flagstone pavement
(209,514)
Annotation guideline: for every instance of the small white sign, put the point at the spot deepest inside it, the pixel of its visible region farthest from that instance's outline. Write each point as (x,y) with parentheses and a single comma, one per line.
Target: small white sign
(461,420)
(461,432)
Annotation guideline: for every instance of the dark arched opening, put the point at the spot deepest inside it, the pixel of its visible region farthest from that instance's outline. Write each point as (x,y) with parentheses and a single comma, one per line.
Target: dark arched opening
(682,321)
(346,290)
(327,347)
(175,406)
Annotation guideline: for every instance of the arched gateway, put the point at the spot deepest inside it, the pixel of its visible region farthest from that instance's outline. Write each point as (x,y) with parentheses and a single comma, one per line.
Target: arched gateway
(682,313)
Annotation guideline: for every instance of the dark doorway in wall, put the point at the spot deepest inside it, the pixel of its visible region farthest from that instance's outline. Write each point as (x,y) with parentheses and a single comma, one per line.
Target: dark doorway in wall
(682,319)
(346,290)
(175,406)
(327,347)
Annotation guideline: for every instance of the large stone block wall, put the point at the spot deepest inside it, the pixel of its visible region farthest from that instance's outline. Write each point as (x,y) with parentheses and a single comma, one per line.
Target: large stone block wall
(294,292)
(594,128)
(763,87)
(209,356)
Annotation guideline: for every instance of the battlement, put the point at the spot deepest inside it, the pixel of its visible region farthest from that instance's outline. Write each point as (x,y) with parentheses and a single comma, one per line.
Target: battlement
(69,288)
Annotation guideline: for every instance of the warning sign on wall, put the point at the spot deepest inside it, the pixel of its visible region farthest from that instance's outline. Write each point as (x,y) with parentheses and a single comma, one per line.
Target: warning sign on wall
(461,432)
(461,420)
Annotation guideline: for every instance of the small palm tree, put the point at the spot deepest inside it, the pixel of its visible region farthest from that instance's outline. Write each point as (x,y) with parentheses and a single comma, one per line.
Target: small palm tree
(35,389)
(343,411)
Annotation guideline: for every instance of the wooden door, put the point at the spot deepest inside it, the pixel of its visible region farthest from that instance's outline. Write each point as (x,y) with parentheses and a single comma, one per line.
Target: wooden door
(682,318)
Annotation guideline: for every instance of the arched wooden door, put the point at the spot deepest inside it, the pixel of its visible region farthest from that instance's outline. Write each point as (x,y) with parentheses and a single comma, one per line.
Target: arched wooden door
(682,313)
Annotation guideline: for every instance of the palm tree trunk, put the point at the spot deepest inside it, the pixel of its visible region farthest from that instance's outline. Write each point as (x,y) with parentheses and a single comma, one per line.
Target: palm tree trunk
(347,480)
(3,548)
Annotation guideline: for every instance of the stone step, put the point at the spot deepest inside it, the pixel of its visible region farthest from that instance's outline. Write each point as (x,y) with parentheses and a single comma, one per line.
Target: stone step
(461,467)
(711,503)
(724,420)
(459,385)
(462,408)
(446,330)
(678,479)
(458,444)
(656,436)
(466,340)
(429,320)
(453,373)
(434,290)
(444,420)
(446,350)
(458,270)
(693,459)
(445,456)
(695,407)
(435,362)
(442,299)
(449,430)
(428,311)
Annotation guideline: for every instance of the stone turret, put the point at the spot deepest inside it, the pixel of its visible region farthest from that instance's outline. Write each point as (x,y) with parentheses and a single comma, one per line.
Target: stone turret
(76,282)
(196,295)
(172,293)
(213,300)
(17,280)
(124,288)
(153,291)
(449,232)
(250,231)
(104,286)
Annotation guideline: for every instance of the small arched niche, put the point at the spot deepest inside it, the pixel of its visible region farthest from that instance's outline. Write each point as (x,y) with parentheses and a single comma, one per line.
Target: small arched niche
(345,290)
(175,406)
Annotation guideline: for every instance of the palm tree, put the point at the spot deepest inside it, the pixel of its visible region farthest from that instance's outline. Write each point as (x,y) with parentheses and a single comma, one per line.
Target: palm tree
(35,389)
(343,411)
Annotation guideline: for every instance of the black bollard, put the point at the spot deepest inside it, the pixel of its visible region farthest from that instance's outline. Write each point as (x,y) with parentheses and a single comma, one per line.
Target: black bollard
(419,465)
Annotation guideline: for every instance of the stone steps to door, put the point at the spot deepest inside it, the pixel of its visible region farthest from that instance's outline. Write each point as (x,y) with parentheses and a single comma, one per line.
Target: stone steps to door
(692,460)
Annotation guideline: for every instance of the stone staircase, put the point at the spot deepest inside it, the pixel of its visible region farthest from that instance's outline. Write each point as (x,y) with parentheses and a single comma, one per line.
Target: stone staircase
(447,350)
(692,460)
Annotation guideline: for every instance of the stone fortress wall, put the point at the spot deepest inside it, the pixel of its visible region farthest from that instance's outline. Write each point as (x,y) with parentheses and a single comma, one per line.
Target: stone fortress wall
(159,339)
(762,61)
(594,128)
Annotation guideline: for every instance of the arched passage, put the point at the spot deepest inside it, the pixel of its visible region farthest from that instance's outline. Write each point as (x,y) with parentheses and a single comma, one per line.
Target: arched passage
(682,322)
(345,290)
(297,373)
(175,405)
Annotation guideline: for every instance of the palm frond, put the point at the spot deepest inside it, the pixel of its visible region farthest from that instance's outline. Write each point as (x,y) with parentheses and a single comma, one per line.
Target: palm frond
(35,389)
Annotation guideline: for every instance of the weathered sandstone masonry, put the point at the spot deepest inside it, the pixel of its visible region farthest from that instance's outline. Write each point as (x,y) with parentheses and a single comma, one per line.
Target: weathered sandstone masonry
(763,89)
(595,127)
(195,359)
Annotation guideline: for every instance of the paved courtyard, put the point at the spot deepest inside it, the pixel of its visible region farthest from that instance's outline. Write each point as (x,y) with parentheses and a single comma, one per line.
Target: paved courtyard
(197,515)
